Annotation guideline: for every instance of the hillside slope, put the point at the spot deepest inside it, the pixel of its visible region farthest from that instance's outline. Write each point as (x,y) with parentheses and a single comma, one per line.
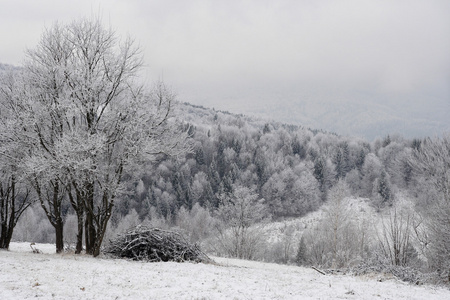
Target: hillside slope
(24,275)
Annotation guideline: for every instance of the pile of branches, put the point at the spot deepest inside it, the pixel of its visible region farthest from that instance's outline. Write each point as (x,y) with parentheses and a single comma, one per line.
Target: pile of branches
(154,245)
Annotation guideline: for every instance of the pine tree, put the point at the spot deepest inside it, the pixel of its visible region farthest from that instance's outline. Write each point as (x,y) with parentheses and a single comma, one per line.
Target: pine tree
(298,148)
(199,156)
(383,188)
(360,160)
(301,257)
(386,141)
(342,160)
(319,172)
(339,164)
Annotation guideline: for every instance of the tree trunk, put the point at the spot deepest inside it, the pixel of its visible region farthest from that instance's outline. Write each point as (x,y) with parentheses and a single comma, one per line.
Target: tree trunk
(7,214)
(4,220)
(80,220)
(59,226)
(3,214)
(3,240)
(96,249)
(6,236)
(90,232)
(51,203)
(103,222)
(78,206)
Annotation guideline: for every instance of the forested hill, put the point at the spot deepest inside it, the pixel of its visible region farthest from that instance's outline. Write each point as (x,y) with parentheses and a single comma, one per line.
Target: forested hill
(290,167)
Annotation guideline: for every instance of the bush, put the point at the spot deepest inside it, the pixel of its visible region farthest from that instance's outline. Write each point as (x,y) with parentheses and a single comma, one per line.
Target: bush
(407,274)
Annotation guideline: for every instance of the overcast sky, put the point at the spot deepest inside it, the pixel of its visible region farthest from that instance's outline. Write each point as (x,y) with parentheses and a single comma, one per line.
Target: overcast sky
(232,54)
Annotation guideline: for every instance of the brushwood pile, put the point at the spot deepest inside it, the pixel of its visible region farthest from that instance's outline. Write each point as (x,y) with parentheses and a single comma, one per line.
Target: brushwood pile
(154,245)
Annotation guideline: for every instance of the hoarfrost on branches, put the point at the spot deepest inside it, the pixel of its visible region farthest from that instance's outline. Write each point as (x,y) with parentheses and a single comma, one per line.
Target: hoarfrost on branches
(85,121)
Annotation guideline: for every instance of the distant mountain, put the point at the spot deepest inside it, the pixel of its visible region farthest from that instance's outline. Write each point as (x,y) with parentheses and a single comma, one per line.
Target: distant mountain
(364,118)
(354,114)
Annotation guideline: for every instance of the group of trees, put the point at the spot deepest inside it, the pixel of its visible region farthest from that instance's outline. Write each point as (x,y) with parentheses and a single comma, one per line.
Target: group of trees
(291,167)
(75,122)
(412,230)
(432,161)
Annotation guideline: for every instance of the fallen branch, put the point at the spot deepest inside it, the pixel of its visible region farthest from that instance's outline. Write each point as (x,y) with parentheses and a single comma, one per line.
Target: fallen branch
(321,272)
(35,250)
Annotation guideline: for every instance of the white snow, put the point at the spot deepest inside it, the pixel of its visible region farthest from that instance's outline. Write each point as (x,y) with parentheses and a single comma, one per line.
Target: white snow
(359,209)
(24,275)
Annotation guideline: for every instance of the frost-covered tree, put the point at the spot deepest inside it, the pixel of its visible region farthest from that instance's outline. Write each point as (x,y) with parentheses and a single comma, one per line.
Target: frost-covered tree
(339,239)
(342,160)
(15,195)
(371,170)
(197,223)
(337,219)
(87,120)
(14,200)
(239,212)
(301,256)
(395,240)
(324,174)
(431,160)
(383,188)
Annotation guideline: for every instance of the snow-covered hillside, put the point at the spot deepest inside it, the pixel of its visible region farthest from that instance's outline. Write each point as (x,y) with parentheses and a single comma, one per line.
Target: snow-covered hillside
(359,209)
(24,275)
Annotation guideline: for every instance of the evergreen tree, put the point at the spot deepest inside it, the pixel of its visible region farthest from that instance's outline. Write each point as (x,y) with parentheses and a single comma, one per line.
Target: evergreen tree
(319,172)
(199,156)
(383,188)
(342,160)
(301,257)
(386,141)
(360,160)
(415,144)
(339,164)
(298,149)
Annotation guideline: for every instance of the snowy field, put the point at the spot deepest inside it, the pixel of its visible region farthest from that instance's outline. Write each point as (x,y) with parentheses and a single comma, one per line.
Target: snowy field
(24,275)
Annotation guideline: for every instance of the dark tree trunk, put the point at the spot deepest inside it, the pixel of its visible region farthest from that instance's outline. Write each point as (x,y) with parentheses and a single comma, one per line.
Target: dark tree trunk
(87,232)
(80,219)
(59,227)
(77,204)
(90,231)
(103,222)
(51,203)
(3,219)
(58,223)
(2,236)
(8,214)
(5,237)
(3,244)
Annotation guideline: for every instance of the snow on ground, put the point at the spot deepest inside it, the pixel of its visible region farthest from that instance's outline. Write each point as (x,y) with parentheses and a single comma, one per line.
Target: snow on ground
(24,275)
(359,209)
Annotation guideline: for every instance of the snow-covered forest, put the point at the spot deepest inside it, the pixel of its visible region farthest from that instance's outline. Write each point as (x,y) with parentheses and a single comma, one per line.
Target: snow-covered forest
(88,152)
